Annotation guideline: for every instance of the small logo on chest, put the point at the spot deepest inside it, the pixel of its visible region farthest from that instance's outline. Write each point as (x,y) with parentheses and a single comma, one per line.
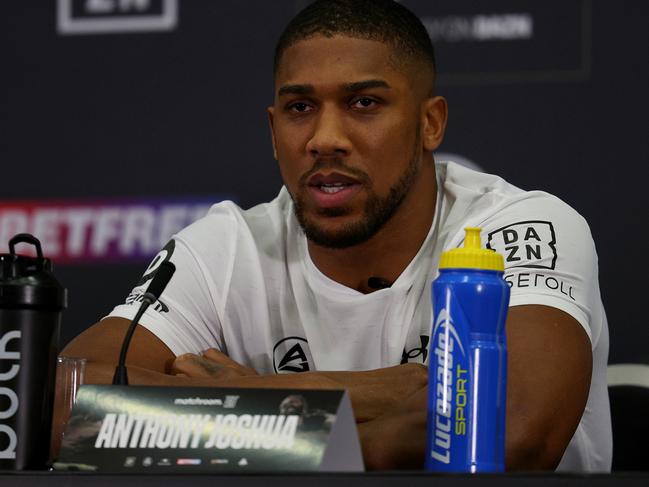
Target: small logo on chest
(292,354)
(416,355)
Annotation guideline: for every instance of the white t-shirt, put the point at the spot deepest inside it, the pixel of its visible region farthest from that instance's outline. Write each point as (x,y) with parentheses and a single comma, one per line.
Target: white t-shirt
(245,284)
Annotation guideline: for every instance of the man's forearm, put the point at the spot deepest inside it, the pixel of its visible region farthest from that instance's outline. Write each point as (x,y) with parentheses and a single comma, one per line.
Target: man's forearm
(102,373)
(372,393)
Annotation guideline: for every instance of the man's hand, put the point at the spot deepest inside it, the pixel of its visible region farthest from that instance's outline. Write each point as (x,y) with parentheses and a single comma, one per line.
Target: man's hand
(373,392)
(380,391)
(211,364)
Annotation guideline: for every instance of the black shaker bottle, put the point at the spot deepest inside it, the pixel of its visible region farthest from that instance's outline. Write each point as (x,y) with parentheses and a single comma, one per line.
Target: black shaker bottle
(31,304)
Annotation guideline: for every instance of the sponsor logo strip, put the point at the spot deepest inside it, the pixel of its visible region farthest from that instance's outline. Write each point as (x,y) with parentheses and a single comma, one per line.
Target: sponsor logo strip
(80,231)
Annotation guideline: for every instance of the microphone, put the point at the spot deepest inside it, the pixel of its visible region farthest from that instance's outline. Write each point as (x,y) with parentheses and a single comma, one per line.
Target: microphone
(153,292)
(378,283)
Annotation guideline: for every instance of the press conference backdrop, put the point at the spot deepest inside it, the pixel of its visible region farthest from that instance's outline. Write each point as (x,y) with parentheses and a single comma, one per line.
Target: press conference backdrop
(123,120)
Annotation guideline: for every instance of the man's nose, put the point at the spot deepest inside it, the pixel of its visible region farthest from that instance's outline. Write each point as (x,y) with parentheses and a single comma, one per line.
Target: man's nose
(329,135)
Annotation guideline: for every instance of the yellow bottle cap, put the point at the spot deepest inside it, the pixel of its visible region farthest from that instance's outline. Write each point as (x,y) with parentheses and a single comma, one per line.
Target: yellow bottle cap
(472,256)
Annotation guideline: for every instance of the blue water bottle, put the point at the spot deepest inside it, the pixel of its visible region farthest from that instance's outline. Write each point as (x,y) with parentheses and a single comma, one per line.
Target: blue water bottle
(467,377)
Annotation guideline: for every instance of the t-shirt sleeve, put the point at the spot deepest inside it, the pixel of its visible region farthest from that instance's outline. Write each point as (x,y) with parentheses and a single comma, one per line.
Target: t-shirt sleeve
(550,257)
(186,317)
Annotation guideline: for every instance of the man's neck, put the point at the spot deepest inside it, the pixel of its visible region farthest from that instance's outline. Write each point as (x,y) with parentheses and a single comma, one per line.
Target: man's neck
(388,253)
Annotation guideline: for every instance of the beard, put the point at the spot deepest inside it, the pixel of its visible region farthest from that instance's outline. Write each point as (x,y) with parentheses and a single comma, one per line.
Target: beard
(377,212)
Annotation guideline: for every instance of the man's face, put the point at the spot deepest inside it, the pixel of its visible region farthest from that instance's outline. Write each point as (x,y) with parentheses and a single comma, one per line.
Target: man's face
(294,404)
(346,132)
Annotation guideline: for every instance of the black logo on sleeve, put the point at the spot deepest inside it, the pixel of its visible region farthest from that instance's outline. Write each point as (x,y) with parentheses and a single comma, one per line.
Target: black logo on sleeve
(162,256)
(292,354)
(136,298)
(413,355)
(526,244)
(537,280)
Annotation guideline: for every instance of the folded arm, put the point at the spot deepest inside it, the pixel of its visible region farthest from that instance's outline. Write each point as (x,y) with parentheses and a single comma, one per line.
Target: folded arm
(550,363)
(150,362)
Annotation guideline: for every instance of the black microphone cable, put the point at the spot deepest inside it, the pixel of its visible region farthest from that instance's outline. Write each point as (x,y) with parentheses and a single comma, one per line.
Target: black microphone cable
(153,292)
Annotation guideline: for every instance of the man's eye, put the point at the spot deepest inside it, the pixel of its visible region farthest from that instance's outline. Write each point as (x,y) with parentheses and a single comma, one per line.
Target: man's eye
(299,107)
(364,103)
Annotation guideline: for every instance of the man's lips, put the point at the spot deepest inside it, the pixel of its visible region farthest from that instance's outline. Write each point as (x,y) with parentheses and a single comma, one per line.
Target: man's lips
(330,190)
(331,179)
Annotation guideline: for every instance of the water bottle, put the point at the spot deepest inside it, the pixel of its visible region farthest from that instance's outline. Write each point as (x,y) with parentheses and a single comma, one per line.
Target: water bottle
(467,378)
(31,303)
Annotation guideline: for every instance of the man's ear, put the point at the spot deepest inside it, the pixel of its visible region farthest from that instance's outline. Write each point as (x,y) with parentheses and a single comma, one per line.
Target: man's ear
(270,111)
(434,114)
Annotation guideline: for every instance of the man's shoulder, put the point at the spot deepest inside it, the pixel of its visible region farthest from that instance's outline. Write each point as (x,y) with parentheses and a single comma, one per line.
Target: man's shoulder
(469,180)
(226,221)
(487,199)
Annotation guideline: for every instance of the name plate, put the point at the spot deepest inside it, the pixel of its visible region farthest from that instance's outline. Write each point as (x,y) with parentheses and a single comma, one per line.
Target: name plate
(209,430)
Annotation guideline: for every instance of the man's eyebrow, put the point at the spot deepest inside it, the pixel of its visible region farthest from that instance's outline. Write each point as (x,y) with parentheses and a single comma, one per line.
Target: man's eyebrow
(364,85)
(295,90)
(349,87)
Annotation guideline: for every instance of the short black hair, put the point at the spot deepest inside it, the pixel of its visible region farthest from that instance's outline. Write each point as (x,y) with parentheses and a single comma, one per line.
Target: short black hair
(380,20)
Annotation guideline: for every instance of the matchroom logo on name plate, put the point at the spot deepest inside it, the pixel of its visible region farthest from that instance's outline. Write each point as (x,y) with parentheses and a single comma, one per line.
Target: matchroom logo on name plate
(115,16)
(81,231)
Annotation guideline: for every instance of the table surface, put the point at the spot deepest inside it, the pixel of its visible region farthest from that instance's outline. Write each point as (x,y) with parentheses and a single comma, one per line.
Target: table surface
(401,479)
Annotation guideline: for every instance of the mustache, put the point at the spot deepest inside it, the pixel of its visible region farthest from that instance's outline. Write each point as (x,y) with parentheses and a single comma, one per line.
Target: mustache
(335,164)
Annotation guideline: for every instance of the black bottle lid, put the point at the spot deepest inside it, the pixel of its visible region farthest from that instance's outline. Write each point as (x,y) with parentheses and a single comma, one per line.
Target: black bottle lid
(28,282)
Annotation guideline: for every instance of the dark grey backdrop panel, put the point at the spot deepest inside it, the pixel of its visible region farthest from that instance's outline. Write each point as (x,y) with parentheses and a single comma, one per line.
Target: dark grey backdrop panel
(561,107)
(582,136)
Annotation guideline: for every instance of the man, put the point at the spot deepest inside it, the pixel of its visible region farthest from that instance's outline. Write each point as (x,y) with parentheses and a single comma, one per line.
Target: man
(332,278)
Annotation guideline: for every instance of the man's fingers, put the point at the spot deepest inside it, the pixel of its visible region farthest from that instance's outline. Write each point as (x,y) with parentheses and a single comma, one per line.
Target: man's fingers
(219,357)
(222,359)
(193,365)
(212,364)
(187,365)
(379,391)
